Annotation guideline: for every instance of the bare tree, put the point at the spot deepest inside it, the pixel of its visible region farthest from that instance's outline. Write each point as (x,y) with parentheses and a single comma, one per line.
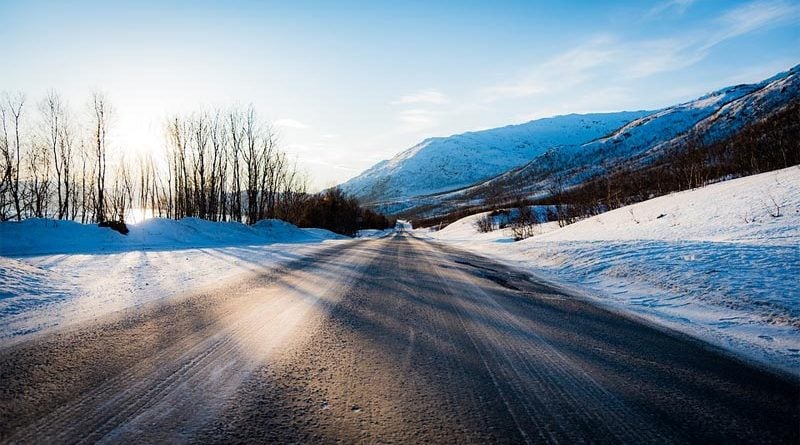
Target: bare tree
(524,221)
(236,134)
(6,165)
(65,149)
(13,107)
(101,116)
(485,223)
(60,140)
(219,143)
(121,192)
(38,164)
(87,182)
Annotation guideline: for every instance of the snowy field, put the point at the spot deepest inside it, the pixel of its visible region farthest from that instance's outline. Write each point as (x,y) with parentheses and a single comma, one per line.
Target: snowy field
(721,263)
(54,273)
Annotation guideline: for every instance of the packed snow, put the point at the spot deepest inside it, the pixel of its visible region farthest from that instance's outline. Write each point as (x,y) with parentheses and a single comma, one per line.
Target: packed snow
(721,262)
(55,273)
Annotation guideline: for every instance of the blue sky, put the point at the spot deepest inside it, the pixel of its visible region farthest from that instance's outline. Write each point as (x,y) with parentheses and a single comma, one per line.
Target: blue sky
(350,83)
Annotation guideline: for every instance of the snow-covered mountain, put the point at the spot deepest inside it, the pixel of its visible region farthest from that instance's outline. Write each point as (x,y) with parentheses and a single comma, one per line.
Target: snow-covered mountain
(448,163)
(436,174)
(711,117)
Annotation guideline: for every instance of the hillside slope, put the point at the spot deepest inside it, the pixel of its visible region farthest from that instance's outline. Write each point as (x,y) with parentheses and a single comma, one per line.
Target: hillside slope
(448,163)
(710,117)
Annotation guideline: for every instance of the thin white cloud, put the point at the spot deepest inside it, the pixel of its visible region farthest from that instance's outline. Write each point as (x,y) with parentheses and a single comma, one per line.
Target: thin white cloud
(417,116)
(559,73)
(752,17)
(434,97)
(606,58)
(418,119)
(657,56)
(670,6)
(290,123)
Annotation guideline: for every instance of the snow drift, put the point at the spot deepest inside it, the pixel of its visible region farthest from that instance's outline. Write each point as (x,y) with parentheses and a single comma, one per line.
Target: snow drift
(47,236)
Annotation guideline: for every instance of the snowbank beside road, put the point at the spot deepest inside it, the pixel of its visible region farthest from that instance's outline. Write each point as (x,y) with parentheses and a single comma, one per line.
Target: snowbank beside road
(54,273)
(720,262)
(47,236)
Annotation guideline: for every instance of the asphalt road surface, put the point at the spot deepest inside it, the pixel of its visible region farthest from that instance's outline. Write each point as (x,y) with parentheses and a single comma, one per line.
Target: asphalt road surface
(395,340)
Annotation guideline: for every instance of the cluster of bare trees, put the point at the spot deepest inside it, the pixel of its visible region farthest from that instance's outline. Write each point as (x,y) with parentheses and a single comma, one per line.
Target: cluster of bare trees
(522,220)
(51,166)
(219,166)
(224,166)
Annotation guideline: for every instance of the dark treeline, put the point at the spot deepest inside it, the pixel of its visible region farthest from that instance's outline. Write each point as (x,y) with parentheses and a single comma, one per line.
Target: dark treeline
(339,213)
(219,166)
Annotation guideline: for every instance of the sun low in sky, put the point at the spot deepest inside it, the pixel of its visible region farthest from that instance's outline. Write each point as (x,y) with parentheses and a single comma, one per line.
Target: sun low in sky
(347,84)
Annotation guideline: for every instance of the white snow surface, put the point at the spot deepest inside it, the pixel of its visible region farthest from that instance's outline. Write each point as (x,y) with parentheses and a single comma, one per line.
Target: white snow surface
(56,273)
(712,262)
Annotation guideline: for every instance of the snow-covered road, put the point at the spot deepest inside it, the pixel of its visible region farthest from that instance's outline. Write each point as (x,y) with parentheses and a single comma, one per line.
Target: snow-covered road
(387,340)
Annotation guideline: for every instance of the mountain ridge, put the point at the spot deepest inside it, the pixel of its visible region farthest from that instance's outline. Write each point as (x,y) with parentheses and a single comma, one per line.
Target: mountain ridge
(494,151)
(643,135)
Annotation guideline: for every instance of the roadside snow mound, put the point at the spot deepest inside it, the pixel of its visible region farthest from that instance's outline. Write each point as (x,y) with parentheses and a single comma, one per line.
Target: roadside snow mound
(64,272)
(46,236)
(761,209)
(719,262)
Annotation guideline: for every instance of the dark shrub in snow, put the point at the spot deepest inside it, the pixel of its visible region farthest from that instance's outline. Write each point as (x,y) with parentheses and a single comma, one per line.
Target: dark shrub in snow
(119,226)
